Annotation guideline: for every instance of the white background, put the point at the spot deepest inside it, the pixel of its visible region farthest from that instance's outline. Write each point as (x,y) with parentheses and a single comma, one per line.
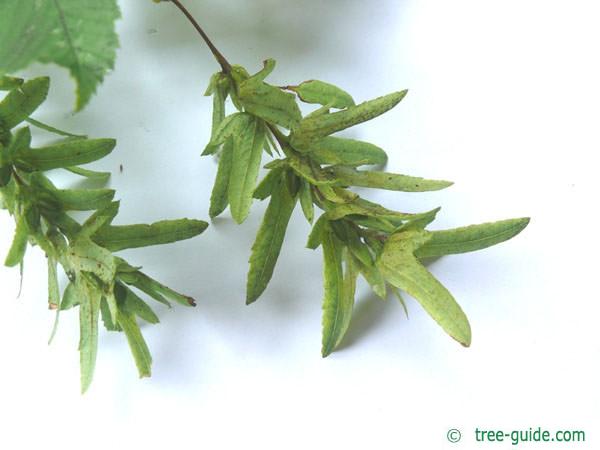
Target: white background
(504,100)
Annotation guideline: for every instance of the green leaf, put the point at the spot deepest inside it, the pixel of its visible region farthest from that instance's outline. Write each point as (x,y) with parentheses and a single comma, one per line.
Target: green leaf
(68,153)
(230,126)
(338,300)
(108,315)
(19,244)
(402,269)
(53,130)
(219,195)
(303,167)
(21,102)
(78,35)
(218,109)
(247,155)
(269,103)
(133,304)
(137,344)
(239,74)
(322,93)
(111,301)
(91,174)
(384,180)
(53,294)
(374,277)
(323,110)
(84,199)
(316,235)
(8,191)
(400,298)
(313,129)
(376,244)
(89,309)
(9,83)
(376,217)
(268,68)
(268,144)
(5,177)
(267,185)
(219,89)
(269,240)
(86,256)
(53,291)
(64,221)
(133,279)
(353,240)
(212,84)
(375,223)
(33,219)
(71,297)
(59,243)
(419,221)
(155,289)
(471,238)
(116,238)
(364,207)
(43,188)
(306,201)
(347,152)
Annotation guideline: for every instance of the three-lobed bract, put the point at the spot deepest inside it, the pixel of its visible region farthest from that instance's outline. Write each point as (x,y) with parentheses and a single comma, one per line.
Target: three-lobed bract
(99,283)
(315,168)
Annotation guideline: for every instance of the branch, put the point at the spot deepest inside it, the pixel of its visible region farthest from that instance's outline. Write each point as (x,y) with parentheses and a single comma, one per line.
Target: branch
(216,53)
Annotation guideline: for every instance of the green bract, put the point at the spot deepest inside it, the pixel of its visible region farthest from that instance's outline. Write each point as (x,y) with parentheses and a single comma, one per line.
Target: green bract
(100,283)
(316,169)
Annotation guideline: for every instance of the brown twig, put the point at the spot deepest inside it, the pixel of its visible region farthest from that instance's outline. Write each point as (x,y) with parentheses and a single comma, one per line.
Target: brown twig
(216,53)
